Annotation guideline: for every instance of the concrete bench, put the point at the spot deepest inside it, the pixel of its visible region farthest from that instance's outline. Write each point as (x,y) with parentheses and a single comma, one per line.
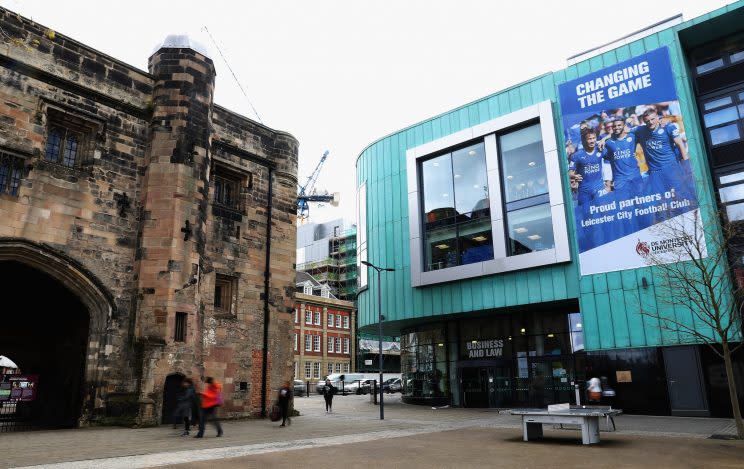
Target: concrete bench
(586,418)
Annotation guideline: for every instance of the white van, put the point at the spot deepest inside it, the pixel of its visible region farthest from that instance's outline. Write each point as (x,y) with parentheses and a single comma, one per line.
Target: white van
(339,380)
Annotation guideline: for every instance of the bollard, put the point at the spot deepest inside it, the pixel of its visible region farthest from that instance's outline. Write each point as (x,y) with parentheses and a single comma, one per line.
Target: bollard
(307,388)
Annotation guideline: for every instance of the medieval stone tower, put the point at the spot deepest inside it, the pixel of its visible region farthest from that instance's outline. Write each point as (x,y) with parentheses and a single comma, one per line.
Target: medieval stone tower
(150,231)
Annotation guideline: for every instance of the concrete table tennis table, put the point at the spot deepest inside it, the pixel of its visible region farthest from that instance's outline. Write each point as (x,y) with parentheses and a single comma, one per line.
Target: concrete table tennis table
(586,418)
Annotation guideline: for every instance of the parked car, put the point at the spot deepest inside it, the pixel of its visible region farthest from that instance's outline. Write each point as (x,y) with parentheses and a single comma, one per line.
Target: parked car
(392,385)
(299,388)
(339,380)
(359,387)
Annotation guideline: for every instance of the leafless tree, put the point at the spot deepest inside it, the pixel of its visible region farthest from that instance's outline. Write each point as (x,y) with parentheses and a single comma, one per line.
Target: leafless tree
(694,271)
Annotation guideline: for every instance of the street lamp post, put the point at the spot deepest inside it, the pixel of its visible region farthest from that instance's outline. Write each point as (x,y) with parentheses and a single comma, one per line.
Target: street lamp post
(380,317)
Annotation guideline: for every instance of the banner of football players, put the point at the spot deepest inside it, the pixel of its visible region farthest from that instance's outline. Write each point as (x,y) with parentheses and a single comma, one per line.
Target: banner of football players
(629,166)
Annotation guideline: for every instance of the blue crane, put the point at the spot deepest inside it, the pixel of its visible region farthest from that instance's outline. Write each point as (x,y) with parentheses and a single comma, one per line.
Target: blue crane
(307,193)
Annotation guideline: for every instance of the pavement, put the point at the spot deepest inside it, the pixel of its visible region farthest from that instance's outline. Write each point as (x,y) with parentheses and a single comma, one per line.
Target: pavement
(409,436)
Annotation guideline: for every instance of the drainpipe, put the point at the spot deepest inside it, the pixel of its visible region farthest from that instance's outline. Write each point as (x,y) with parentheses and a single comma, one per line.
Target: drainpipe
(267,277)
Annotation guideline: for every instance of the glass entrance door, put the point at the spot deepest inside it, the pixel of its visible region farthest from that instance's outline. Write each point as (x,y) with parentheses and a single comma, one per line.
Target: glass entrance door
(474,384)
(500,386)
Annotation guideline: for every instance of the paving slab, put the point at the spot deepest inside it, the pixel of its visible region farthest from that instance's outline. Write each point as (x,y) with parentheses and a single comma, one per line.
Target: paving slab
(354,421)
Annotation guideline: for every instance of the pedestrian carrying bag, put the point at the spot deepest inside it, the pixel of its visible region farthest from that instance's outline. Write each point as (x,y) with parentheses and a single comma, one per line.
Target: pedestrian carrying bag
(275,413)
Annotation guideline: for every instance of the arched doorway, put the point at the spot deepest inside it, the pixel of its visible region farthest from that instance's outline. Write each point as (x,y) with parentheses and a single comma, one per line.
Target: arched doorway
(47,334)
(170,393)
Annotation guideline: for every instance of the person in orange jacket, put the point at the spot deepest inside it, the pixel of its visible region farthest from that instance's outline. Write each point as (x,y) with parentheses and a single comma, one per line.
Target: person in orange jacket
(211,399)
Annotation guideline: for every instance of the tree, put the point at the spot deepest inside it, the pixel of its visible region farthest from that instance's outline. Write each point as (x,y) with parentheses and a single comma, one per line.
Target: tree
(703,275)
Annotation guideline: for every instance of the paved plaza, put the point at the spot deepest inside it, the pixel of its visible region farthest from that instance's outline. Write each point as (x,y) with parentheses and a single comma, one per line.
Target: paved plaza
(410,436)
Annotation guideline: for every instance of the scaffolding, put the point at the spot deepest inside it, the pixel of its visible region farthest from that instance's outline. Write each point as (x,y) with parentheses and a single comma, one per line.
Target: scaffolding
(339,270)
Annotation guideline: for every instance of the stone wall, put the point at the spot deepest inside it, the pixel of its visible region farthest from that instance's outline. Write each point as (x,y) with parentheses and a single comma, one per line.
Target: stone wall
(153,143)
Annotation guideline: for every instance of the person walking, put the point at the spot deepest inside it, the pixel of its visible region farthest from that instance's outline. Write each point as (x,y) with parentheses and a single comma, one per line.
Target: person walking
(328,391)
(285,395)
(184,403)
(211,399)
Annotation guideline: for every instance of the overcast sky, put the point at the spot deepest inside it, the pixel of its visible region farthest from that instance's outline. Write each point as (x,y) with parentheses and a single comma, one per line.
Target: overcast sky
(340,74)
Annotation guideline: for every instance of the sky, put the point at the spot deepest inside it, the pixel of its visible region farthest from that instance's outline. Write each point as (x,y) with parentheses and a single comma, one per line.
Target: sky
(341,74)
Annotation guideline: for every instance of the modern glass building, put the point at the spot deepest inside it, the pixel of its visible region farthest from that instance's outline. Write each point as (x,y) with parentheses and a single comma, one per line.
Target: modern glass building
(525,228)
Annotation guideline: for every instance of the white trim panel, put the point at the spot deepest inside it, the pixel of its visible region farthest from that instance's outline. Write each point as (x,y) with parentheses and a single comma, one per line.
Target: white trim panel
(501,262)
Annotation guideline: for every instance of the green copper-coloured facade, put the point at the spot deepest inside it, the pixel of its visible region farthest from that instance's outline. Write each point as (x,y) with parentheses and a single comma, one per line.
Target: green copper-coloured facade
(609,303)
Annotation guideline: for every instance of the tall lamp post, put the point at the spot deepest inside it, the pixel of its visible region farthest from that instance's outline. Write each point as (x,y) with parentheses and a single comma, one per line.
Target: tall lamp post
(380,317)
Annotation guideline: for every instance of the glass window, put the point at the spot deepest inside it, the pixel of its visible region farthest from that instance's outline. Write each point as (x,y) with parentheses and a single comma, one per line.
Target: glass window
(308,370)
(529,219)
(732,193)
(721,116)
(295,341)
(717,103)
(338,344)
(308,343)
(439,198)
(729,178)
(316,369)
(456,209)
(338,321)
(330,368)
(54,142)
(316,343)
(346,322)
(317,318)
(330,320)
(308,317)
(530,229)
(523,163)
(470,181)
(737,56)
(735,212)
(330,345)
(724,134)
(297,315)
(708,66)
(338,368)
(346,345)
(346,367)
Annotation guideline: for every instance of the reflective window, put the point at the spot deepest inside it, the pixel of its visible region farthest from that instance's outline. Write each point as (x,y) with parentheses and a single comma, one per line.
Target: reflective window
(732,193)
(729,178)
(708,66)
(457,224)
(529,220)
(735,212)
(530,229)
(737,56)
(523,164)
(724,134)
(720,117)
(717,103)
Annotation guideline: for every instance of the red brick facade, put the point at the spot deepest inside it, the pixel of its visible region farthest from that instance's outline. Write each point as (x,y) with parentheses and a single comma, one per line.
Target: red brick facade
(319,358)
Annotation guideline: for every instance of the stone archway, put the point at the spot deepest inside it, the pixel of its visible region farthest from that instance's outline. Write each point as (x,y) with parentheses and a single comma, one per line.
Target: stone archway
(58,331)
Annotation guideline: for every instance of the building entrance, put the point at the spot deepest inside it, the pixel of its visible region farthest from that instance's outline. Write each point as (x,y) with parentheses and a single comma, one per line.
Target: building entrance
(46,335)
(521,382)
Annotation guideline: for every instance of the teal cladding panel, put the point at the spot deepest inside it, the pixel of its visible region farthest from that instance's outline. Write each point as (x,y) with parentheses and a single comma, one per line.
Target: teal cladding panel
(611,304)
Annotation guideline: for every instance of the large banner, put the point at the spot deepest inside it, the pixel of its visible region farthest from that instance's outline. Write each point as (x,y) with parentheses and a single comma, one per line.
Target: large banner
(629,167)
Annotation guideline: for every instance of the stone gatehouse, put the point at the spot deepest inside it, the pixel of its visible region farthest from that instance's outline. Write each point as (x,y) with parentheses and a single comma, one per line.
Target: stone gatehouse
(146,233)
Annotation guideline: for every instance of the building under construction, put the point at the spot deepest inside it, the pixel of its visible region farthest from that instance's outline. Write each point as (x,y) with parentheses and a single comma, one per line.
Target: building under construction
(327,251)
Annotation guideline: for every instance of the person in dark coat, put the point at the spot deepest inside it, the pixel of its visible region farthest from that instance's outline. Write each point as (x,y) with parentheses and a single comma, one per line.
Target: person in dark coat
(185,402)
(328,391)
(285,395)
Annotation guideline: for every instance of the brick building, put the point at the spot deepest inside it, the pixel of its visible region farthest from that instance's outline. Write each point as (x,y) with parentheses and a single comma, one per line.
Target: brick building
(324,331)
(148,232)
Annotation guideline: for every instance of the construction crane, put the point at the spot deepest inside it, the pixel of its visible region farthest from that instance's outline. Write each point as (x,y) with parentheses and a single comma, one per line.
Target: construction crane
(308,194)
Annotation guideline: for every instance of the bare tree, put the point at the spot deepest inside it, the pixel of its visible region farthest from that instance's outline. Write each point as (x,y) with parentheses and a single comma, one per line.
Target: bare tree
(694,272)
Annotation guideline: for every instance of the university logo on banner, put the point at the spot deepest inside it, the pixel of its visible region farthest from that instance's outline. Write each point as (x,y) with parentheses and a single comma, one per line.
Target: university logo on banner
(629,165)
